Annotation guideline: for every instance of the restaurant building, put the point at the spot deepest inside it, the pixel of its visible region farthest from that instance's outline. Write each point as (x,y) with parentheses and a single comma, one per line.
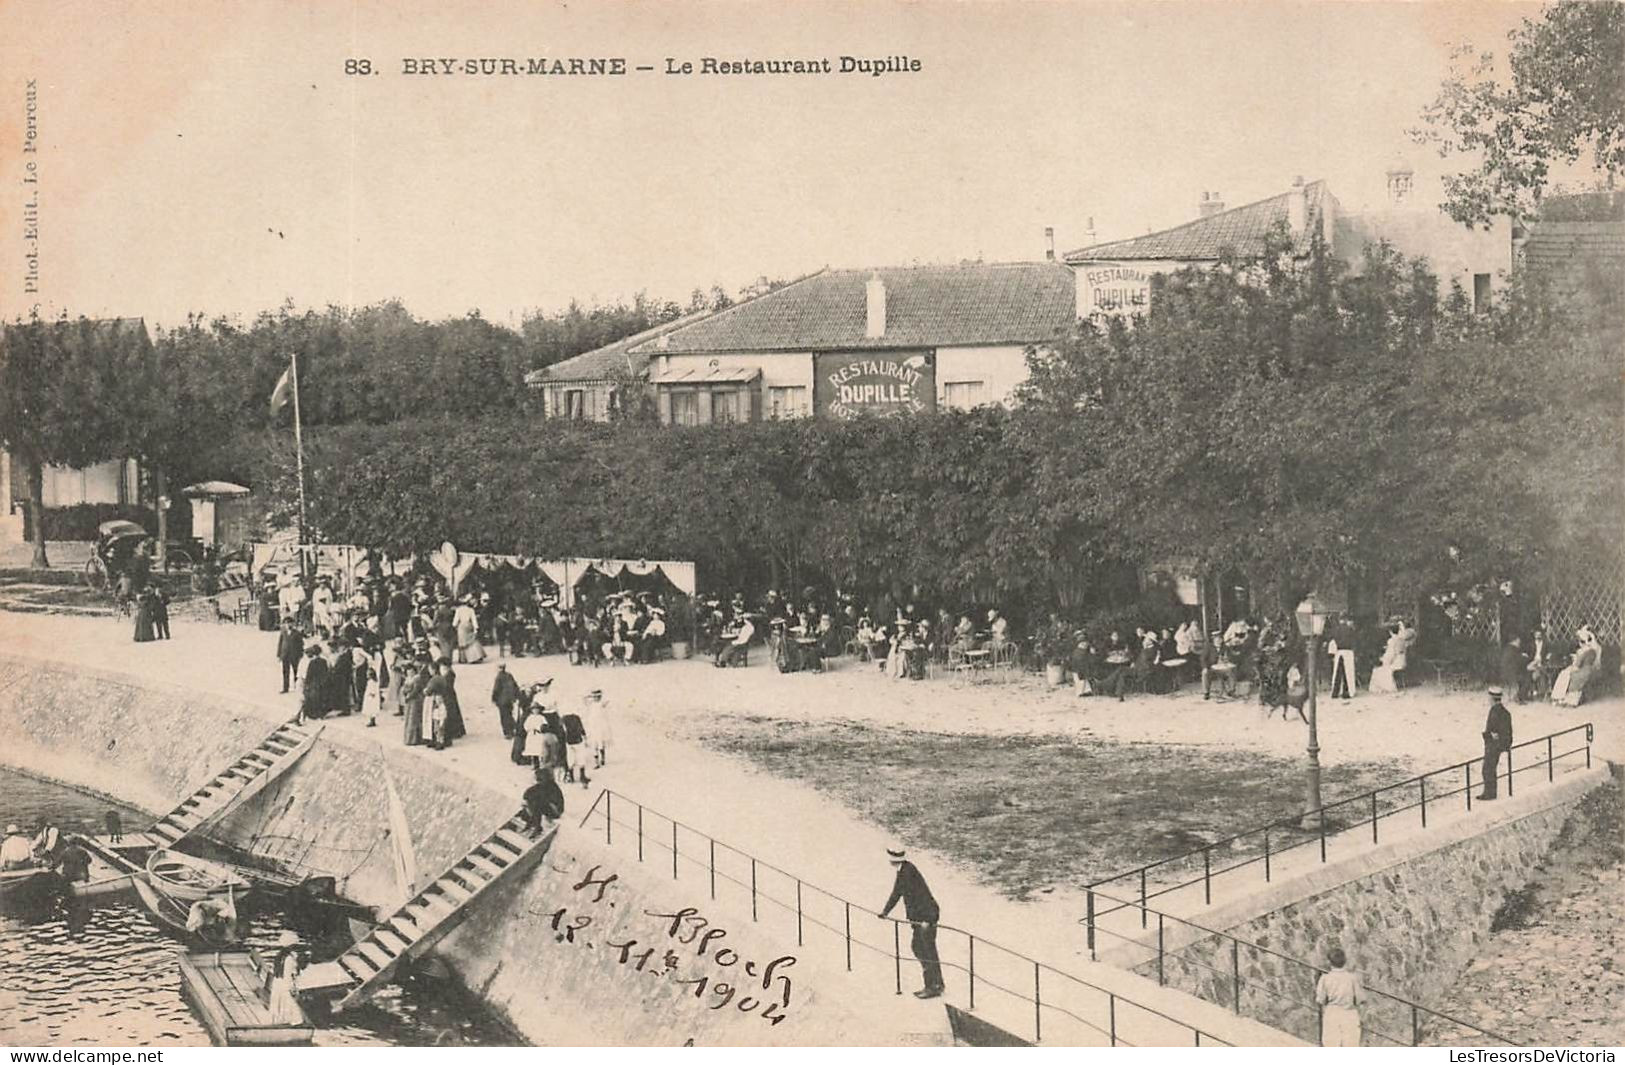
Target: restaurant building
(1114,278)
(838,343)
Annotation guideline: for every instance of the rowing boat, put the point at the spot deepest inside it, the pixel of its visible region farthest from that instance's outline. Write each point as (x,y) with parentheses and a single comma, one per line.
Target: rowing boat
(188,879)
(21,887)
(173,915)
(110,871)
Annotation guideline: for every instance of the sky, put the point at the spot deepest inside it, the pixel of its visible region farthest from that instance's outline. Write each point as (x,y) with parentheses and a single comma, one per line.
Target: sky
(215,157)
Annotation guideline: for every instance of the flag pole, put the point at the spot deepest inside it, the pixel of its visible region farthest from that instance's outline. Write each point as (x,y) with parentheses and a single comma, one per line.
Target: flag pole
(299,451)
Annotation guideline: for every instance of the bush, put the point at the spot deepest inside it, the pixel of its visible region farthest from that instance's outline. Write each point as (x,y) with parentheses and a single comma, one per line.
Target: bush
(79,522)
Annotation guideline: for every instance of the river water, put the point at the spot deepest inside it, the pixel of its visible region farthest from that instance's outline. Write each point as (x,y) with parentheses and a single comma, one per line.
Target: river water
(101,972)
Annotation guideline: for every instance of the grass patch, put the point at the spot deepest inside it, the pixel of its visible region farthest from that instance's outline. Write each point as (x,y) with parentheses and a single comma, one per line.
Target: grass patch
(1030,813)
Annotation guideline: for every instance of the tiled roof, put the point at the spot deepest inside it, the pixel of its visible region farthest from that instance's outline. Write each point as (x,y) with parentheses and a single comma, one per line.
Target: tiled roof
(601,364)
(1240,229)
(1566,244)
(933,306)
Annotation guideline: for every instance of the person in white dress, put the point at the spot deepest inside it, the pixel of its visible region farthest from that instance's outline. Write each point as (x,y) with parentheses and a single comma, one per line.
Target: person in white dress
(1395,657)
(281,1001)
(1569,687)
(595,716)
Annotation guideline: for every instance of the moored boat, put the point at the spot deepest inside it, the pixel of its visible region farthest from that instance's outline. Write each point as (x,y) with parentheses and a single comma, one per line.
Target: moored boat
(176,916)
(22,887)
(188,879)
(110,871)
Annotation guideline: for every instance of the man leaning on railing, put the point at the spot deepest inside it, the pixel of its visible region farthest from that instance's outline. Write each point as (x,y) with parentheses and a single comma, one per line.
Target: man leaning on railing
(923,913)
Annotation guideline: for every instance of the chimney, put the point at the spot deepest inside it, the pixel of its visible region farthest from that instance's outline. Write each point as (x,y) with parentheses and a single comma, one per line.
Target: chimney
(1049,243)
(1089,232)
(1210,204)
(1297,208)
(875,297)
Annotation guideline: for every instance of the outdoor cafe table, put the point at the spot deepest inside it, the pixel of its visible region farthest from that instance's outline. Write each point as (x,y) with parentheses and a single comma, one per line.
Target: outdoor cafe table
(977,660)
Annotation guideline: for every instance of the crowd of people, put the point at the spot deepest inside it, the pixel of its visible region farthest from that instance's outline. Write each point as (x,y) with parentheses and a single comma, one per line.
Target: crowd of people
(390,648)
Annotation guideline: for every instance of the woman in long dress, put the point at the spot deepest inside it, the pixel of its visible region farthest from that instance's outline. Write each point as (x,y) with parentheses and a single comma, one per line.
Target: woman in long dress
(1394,659)
(467,624)
(416,679)
(282,1003)
(392,691)
(143,617)
(1569,687)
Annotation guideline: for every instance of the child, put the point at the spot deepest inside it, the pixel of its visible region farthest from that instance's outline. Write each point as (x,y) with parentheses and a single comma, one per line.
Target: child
(437,722)
(595,715)
(115,826)
(160,613)
(575,748)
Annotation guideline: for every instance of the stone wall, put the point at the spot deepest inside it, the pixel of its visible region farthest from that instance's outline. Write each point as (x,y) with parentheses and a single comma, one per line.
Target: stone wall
(150,746)
(1409,916)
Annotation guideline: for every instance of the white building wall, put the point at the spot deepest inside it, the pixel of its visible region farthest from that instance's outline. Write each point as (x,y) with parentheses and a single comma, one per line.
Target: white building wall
(1454,252)
(1000,368)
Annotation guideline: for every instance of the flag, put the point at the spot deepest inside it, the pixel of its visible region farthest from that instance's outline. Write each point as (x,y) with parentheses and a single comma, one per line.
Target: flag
(282,392)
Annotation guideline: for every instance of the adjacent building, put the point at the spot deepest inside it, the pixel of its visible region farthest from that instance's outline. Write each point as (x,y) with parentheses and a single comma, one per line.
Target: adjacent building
(1114,277)
(116,481)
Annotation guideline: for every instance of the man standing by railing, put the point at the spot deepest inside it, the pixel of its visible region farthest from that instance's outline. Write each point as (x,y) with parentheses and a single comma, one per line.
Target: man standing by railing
(1340,994)
(923,913)
(1497,739)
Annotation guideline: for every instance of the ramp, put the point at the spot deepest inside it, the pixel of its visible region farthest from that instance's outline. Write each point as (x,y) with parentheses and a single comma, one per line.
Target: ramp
(235,784)
(428,916)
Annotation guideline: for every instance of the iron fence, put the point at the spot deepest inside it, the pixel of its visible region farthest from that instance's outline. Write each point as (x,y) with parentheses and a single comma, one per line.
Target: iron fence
(1263,845)
(1054,1003)
(1209,963)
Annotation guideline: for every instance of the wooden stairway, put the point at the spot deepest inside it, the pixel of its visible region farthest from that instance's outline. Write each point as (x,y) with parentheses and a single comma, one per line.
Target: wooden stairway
(235,784)
(428,916)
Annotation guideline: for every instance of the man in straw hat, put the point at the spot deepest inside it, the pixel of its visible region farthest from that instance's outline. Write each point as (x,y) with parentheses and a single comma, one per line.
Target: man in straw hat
(920,906)
(1497,738)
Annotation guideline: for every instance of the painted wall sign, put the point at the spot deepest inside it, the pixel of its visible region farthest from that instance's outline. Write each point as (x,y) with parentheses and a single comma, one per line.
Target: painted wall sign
(1113,288)
(849,383)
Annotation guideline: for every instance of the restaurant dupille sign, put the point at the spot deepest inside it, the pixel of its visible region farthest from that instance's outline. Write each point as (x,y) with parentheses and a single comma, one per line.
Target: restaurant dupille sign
(849,383)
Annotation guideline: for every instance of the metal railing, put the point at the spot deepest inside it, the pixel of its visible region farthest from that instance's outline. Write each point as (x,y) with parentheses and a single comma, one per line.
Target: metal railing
(1210,964)
(1373,807)
(1051,1001)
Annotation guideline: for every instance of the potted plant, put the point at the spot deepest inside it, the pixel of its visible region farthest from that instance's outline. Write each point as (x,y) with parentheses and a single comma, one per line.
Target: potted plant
(1053,644)
(680,625)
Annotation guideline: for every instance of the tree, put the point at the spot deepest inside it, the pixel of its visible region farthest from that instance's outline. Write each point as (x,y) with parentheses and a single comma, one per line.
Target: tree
(65,398)
(1565,102)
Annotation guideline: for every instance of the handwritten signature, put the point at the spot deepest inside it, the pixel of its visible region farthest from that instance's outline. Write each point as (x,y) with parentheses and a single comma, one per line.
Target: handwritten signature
(687,927)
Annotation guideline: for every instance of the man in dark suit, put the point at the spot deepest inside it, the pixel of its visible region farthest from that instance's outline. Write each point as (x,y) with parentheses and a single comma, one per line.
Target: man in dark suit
(290,648)
(1497,740)
(1514,668)
(920,906)
(504,693)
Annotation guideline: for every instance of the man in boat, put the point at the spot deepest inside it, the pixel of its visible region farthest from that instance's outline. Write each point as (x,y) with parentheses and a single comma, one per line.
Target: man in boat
(213,918)
(16,852)
(74,863)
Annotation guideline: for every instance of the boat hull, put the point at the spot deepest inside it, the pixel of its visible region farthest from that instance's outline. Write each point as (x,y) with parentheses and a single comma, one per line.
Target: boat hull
(23,887)
(172,915)
(188,879)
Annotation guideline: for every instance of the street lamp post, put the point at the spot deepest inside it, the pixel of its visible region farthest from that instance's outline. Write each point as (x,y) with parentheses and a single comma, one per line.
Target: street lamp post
(1311,615)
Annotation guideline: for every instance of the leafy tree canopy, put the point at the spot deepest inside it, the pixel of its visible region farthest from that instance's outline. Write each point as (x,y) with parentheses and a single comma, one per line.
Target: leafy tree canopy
(1559,99)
